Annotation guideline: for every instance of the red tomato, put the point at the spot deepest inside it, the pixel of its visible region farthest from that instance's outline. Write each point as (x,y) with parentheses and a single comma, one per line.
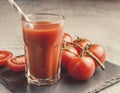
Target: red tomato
(99,52)
(67,37)
(82,42)
(81,68)
(17,64)
(67,55)
(4,56)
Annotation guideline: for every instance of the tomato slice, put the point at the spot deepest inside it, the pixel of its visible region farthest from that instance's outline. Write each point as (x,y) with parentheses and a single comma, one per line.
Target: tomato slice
(4,56)
(17,64)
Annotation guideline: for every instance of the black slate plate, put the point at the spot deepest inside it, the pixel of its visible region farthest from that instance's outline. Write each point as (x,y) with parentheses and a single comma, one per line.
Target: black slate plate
(16,83)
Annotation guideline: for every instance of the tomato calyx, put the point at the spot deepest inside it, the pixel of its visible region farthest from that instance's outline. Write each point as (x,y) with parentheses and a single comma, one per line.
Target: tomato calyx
(79,39)
(85,50)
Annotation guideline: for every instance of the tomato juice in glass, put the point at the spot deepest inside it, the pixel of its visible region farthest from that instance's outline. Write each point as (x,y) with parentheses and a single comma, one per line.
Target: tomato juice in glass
(43,37)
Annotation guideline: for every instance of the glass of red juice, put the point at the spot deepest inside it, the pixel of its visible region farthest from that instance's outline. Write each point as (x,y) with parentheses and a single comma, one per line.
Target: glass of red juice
(43,37)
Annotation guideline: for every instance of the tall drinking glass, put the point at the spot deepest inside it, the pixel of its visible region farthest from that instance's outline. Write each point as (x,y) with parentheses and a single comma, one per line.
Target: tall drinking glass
(43,37)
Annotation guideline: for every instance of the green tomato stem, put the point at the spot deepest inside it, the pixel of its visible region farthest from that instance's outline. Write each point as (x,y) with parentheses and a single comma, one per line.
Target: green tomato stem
(70,52)
(64,44)
(75,45)
(89,53)
(97,60)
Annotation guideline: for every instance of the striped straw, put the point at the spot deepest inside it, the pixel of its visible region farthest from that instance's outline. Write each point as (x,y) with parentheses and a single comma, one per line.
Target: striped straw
(18,9)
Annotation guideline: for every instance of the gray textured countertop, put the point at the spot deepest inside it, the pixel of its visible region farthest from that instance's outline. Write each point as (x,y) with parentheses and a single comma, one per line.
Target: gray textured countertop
(97,20)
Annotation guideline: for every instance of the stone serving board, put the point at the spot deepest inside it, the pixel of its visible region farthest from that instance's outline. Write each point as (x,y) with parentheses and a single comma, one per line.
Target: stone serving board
(16,83)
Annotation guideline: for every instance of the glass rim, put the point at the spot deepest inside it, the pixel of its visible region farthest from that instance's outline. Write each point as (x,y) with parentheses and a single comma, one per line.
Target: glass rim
(62,18)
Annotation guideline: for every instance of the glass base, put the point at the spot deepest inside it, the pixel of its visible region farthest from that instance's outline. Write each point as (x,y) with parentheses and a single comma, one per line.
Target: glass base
(43,82)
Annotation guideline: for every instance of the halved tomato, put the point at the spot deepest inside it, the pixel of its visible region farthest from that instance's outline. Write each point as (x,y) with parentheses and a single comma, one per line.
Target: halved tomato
(17,64)
(4,56)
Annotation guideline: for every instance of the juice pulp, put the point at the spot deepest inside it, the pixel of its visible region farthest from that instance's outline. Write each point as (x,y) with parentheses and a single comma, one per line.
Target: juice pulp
(42,49)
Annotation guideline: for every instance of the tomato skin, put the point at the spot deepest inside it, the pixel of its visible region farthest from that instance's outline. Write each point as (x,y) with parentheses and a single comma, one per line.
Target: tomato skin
(82,42)
(4,56)
(81,68)
(67,55)
(67,37)
(17,64)
(99,52)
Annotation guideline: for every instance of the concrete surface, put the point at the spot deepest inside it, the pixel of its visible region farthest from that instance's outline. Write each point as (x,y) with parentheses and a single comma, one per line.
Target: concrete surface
(97,20)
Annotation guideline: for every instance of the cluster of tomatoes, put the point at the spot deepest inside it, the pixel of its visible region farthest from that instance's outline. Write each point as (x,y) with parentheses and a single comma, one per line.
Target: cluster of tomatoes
(16,64)
(81,58)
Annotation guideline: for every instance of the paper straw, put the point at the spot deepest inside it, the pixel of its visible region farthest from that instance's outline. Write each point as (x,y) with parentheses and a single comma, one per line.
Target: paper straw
(18,9)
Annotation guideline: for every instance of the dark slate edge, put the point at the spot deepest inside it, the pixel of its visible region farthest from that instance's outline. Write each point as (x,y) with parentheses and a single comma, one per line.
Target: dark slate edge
(4,89)
(104,85)
(3,83)
(99,87)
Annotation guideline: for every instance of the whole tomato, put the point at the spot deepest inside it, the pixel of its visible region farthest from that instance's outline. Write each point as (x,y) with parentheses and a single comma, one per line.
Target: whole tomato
(99,52)
(67,37)
(81,68)
(67,55)
(82,42)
